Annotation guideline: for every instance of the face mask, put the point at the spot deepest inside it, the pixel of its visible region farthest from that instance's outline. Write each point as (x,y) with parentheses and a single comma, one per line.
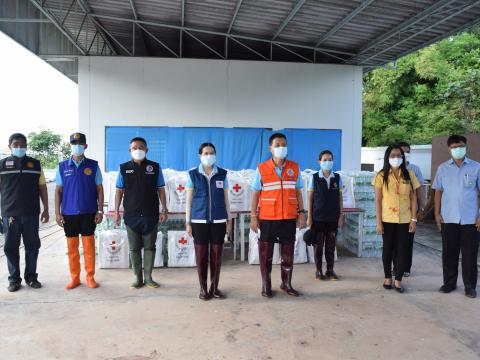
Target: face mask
(326,165)
(138,154)
(280,152)
(19,152)
(208,160)
(459,153)
(78,150)
(408,157)
(395,162)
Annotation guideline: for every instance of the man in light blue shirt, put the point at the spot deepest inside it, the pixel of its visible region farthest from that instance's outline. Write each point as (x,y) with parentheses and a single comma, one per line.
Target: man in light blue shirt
(420,206)
(457,186)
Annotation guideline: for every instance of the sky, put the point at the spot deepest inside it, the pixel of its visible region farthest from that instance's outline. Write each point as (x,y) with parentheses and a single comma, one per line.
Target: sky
(33,95)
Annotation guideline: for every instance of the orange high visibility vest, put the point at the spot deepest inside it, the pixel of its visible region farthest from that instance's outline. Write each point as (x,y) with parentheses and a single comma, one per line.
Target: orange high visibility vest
(278,198)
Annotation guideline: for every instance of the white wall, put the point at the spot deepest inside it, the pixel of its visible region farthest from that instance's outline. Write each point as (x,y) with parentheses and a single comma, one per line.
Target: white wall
(126,91)
(421,156)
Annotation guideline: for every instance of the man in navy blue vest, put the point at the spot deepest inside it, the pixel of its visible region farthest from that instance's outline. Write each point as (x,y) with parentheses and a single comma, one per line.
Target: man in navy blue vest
(140,184)
(79,207)
(22,184)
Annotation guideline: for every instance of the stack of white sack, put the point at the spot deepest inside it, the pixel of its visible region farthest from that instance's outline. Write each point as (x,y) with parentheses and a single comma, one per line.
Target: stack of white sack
(240,190)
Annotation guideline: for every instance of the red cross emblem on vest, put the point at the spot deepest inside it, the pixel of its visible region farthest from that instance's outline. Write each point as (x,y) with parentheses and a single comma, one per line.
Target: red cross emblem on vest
(113,245)
(180,188)
(237,188)
(182,241)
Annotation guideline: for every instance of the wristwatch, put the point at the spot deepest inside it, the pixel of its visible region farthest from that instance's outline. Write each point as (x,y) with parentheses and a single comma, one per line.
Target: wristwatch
(301,211)
(100,212)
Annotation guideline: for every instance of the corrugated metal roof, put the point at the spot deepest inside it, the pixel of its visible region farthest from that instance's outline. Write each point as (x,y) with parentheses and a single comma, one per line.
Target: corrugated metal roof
(362,32)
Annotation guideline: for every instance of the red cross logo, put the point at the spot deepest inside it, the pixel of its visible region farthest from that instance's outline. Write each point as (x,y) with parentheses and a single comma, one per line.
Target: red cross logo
(113,245)
(182,241)
(237,188)
(180,188)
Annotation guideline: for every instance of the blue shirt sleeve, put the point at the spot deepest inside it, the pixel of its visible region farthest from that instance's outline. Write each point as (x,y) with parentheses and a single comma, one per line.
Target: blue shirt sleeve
(120,183)
(437,183)
(257,181)
(189,183)
(299,184)
(98,177)
(419,175)
(310,183)
(58,177)
(478,182)
(160,179)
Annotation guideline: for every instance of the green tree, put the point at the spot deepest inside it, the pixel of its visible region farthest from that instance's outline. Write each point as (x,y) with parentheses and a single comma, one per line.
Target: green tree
(434,91)
(48,147)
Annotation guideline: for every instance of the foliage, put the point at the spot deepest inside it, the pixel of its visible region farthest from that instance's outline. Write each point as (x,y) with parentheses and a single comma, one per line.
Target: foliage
(434,91)
(48,147)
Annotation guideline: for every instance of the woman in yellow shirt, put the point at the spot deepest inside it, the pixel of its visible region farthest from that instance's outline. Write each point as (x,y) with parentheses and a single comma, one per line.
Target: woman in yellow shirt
(396,209)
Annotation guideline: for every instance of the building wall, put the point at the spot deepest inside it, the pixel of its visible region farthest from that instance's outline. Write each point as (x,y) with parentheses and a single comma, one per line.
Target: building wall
(421,156)
(187,92)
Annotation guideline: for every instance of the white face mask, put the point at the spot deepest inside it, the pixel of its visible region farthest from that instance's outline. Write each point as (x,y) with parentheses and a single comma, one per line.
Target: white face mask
(395,162)
(208,160)
(280,152)
(408,156)
(138,154)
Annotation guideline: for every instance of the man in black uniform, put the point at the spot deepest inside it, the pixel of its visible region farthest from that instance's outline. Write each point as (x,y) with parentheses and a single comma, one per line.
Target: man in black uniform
(22,184)
(140,183)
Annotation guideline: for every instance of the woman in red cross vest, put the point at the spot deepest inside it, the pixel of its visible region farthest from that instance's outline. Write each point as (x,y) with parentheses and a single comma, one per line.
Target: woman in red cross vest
(277,205)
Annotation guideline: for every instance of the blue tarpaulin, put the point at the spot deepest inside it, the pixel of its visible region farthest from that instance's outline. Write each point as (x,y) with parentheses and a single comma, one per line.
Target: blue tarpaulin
(237,148)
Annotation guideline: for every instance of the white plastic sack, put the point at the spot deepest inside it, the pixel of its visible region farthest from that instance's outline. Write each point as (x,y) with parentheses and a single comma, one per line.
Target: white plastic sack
(300,254)
(110,189)
(347,191)
(113,249)
(253,255)
(181,251)
(239,192)
(176,192)
(158,262)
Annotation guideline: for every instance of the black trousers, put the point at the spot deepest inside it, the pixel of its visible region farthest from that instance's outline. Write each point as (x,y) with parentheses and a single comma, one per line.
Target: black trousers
(456,238)
(408,264)
(395,248)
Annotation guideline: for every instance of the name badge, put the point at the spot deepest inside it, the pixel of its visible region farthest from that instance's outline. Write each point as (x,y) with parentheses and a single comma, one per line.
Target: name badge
(219,184)
(129,171)
(10,163)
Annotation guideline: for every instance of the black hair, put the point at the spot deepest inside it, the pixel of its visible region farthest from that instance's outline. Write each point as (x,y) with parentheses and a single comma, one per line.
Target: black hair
(387,167)
(325,152)
(404,144)
(204,145)
(138,138)
(17,136)
(276,136)
(455,139)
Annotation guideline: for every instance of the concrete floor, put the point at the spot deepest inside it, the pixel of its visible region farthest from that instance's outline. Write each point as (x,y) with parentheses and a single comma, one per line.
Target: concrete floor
(354,318)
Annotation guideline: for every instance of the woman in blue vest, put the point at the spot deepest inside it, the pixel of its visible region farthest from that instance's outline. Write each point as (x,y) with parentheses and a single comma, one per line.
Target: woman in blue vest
(208,217)
(325,206)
